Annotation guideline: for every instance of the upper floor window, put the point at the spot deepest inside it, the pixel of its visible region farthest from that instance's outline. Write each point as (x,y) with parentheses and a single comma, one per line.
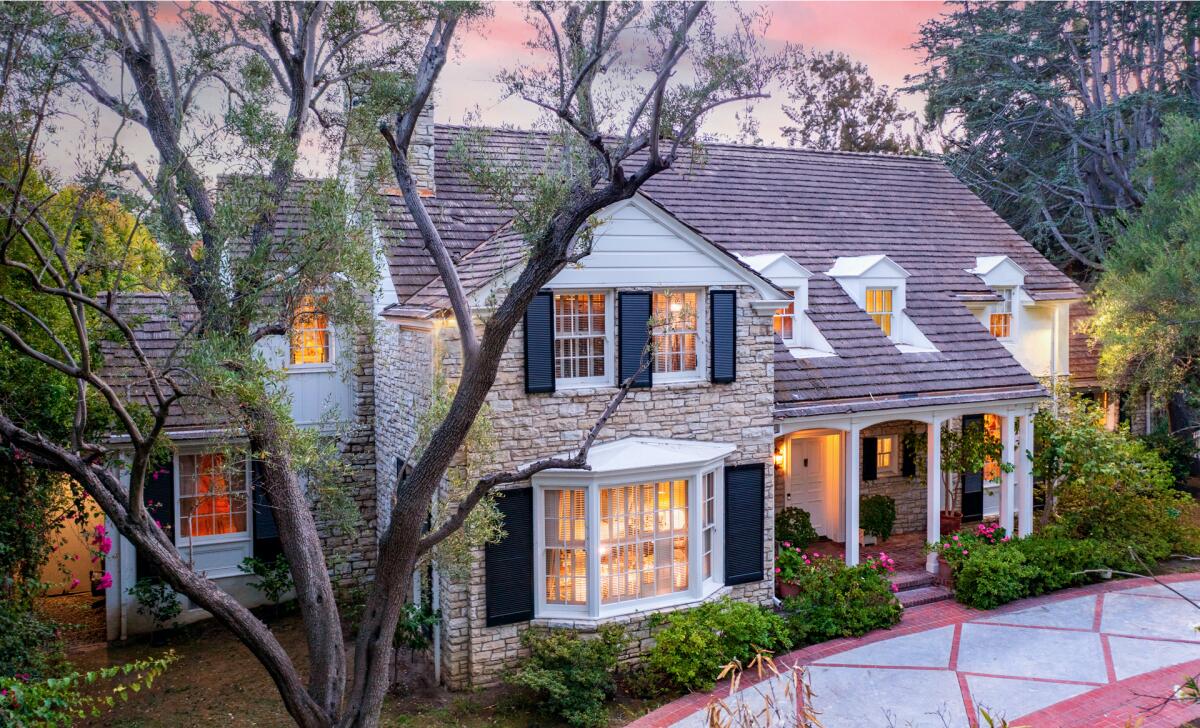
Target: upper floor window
(213,489)
(581,337)
(677,328)
(879,305)
(1000,320)
(312,339)
(785,319)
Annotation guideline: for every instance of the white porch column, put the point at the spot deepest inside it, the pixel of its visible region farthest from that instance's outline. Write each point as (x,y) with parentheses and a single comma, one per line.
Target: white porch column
(933,488)
(853,473)
(1007,436)
(1025,475)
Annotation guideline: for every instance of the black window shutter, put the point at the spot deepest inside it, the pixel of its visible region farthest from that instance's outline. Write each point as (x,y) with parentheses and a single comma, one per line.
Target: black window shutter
(633,333)
(723,343)
(266,534)
(744,523)
(908,462)
(870,458)
(159,495)
(509,563)
(539,343)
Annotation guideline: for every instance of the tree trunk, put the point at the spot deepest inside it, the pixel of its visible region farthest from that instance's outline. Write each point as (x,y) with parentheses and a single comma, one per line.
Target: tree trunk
(306,558)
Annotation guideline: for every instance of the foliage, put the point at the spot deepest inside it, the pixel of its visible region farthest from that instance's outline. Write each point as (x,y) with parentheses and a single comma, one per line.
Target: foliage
(964,450)
(62,701)
(274,578)
(993,576)
(29,644)
(571,677)
(1147,302)
(156,600)
(789,560)
(878,515)
(793,527)
(693,645)
(1046,107)
(785,699)
(1177,451)
(1108,486)
(837,106)
(412,632)
(837,600)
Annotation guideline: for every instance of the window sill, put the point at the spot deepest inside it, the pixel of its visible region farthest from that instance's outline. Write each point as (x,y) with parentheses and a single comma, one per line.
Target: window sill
(619,614)
(221,540)
(609,388)
(310,368)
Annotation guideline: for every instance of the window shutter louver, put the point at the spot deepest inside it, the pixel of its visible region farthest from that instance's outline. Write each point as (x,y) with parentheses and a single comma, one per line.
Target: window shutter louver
(744,496)
(159,495)
(266,534)
(634,314)
(509,563)
(908,462)
(723,342)
(870,458)
(539,343)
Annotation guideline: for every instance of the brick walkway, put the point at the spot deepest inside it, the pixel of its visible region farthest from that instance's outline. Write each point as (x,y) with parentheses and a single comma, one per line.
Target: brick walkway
(1100,655)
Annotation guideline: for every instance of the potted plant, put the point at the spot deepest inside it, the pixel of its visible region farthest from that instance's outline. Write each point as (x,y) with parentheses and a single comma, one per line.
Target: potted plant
(794,525)
(878,516)
(790,560)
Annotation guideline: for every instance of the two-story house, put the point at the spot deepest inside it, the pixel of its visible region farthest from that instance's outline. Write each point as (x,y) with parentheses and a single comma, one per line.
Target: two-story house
(804,311)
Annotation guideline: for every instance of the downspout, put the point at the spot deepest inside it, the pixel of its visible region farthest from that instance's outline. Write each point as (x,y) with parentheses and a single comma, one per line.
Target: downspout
(1054,362)
(435,596)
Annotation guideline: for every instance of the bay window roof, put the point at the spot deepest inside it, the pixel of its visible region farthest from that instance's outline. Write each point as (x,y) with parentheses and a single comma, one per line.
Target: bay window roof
(635,454)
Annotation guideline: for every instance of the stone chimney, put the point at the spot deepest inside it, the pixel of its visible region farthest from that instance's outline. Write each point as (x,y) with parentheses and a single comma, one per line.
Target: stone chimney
(420,153)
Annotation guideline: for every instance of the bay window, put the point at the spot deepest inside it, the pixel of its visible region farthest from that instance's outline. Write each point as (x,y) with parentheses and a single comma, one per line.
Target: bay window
(678,321)
(581,338)
(609,542)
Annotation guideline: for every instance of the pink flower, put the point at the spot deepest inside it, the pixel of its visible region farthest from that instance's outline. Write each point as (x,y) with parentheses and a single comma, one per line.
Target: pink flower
(787,544)
(955,537)
(895,589)
(101,531)
(777,569)
(106,545)
(964,552)
(106,581)
(74,583)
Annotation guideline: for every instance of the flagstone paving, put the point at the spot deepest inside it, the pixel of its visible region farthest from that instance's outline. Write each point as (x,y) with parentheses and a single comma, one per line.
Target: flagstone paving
(1095,656)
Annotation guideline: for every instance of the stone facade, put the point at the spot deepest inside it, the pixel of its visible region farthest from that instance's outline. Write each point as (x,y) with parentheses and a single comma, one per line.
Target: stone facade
(404,380)
(908,492)
(527,427)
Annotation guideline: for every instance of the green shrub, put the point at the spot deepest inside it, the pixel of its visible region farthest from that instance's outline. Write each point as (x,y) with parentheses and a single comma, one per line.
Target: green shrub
(156,600)
(1058,562)
(29,645)
(274,577)
(63,701)
(836,600)
(1177,452)
(695,644)
(993,575)
(571,678)
(878,515)
(793,527)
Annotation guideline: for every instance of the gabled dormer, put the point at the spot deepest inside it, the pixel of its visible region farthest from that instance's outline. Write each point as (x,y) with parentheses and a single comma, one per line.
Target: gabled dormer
(1006,280)
(878,285)
(791,323)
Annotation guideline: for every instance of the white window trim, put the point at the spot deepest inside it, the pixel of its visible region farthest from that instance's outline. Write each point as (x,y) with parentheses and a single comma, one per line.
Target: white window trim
(1014,292)
(894,467)
(325,366)
(609,343)
(701,372)
(698,587)
(246,535)
(797,316)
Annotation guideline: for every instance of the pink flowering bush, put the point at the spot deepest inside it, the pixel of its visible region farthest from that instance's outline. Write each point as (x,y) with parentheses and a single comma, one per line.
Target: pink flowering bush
(836,600)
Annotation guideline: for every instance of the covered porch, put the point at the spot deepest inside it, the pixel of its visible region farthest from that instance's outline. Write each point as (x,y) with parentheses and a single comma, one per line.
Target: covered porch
(812,453)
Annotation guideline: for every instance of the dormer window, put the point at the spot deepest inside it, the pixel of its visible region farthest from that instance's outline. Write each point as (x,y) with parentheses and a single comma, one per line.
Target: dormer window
(1000,318)
(879,305)
(785,319)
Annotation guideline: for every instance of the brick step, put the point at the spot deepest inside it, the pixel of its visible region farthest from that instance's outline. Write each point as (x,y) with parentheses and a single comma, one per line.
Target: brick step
(924,595)
(909,580)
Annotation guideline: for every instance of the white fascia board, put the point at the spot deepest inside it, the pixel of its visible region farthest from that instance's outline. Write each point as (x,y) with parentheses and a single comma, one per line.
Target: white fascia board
(780,268)
(641,455)
(866,266)
(998,271)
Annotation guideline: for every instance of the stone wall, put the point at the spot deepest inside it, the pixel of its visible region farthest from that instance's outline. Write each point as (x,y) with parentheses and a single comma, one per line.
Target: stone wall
(527,427)
(404,378)
(908,492)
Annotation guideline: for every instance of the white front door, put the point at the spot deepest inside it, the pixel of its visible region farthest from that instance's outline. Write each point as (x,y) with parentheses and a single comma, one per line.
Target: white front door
(806,487)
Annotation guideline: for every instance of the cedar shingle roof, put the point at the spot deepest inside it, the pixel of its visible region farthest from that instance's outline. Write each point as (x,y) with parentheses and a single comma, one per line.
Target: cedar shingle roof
(814,206)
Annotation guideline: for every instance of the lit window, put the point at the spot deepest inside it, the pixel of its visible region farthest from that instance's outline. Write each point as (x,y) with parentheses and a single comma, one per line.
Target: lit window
(785,319)
(879,305)
(312,340)
(1000,321)
(212,495)
(580,336)
(676,332)
(991,468)
(709,524)
(566,552)
(643,540)
(885,455)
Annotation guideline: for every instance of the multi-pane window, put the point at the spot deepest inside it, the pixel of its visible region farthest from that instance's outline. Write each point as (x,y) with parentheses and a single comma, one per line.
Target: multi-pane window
(643,540)
(785,319)
(566,546)
(991,468)
(580,336)
(885,455)
(879,305)
(676,332)
(709,523)
(1000,321)
(212,495)
(312,339)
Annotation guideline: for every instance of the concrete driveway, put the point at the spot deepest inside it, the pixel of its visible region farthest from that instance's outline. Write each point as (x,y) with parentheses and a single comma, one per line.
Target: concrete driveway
(1093,656)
